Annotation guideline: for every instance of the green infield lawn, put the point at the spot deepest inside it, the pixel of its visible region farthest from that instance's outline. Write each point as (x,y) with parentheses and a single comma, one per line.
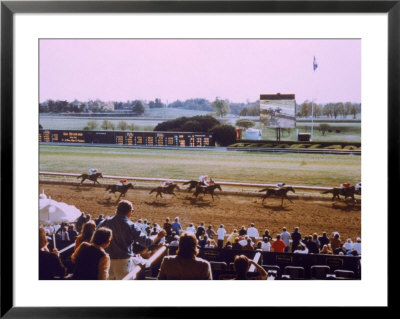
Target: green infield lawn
(296,169)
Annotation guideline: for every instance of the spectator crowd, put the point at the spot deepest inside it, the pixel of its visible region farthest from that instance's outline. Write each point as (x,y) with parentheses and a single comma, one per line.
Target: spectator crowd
(109,248)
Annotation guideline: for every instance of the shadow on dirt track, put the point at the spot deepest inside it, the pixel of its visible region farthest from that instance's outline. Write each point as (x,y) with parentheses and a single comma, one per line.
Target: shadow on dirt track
(157,204)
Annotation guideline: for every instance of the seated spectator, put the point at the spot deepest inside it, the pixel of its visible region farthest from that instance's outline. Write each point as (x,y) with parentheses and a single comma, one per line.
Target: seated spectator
(243,240)
(170,237)
(326,250)
(90,259)
(357,245)
(265,244)
(340,251)
(185,265)
(353,252)
(236,244)
(228,245)
(311,245)
(203,241)
(99,219)
(278,245)
(348,245)
(242,264)
(191,229)
(210,243)
(50,264)
(243,231)
(175,242)
(301,249)
(86,235)
(249,245)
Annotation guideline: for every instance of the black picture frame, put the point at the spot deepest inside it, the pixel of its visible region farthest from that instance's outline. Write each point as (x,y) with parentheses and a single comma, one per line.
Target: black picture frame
(9,8)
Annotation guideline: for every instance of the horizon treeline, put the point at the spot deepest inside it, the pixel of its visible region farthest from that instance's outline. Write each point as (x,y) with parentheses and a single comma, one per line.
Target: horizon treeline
(305,109)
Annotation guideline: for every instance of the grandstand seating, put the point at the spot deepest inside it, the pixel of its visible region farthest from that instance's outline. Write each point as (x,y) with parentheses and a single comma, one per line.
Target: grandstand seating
(344,274)
(319,271)
(295,272)
(315,266)
(274,270)
(281,260)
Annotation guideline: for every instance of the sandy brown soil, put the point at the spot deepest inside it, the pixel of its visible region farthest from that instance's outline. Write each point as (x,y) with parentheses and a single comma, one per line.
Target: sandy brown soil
(231,210)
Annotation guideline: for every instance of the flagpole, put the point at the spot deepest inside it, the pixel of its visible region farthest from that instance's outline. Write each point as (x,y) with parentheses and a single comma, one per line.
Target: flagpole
(312,118)
(315,65)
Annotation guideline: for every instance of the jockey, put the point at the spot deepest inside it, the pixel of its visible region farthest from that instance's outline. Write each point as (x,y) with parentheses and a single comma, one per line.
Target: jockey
(357,187)
(344,185)
(92,171)
(211,182)
(281,185)
(166,183)
(122,182)
(204,180)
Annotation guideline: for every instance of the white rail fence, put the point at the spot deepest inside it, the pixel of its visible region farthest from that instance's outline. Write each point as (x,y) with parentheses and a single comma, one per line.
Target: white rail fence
(67,177)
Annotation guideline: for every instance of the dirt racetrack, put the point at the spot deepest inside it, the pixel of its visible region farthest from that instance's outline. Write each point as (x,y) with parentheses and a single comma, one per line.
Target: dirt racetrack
(310,215)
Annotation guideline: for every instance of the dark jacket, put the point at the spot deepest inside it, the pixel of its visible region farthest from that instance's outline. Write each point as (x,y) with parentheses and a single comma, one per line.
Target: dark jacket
(87,262)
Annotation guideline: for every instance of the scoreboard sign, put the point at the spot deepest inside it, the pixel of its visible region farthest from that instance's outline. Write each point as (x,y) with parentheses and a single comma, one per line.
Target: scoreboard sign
(278,110)
(173,139)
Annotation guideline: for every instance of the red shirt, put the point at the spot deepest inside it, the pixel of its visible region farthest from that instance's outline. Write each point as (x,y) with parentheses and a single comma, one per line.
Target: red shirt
(278,246)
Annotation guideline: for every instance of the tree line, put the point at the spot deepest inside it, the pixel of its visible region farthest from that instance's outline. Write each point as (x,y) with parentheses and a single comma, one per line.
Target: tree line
(221,107)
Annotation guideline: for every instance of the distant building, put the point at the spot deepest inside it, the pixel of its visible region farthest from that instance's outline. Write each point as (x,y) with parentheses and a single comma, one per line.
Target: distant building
(278,110)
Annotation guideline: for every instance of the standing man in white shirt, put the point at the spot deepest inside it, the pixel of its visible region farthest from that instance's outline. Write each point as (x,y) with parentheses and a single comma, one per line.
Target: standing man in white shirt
(285,236)
(221,235)
(252,232)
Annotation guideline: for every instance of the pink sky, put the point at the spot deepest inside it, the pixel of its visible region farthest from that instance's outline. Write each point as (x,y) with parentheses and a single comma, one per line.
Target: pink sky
(171,69)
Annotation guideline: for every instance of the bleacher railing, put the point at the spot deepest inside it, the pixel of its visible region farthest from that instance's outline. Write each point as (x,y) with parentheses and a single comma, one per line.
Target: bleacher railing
(155,257)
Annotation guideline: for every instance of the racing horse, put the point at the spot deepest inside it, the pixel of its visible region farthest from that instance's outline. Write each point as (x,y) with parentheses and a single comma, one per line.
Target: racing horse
(280,193)
(169,189)
(122,189)
(206,190)
(192,184)
(92,177)
(346,192)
